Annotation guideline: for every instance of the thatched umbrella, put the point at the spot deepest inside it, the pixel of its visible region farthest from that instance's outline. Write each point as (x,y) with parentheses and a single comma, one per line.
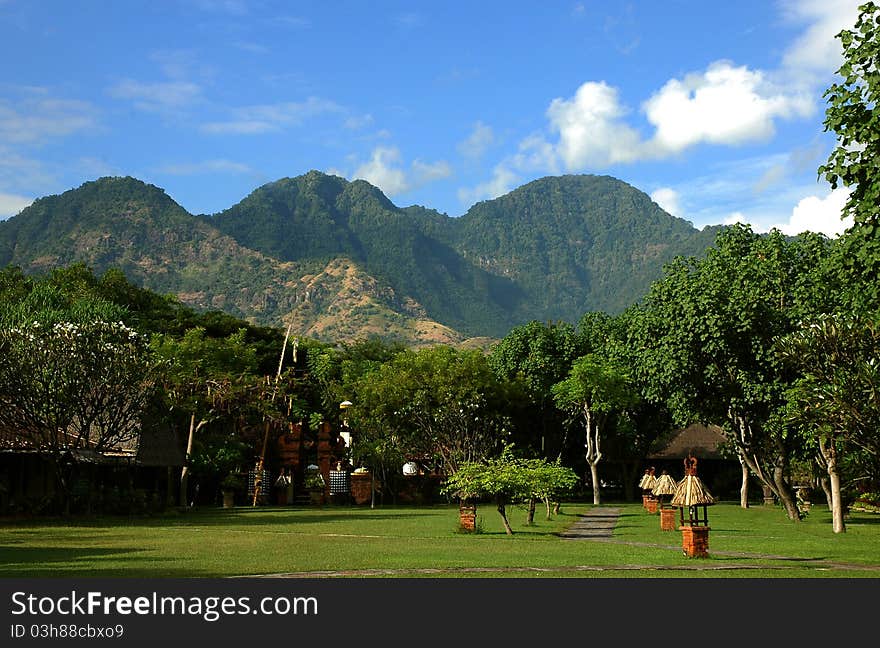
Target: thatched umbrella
(646,484)
(692,494)
(664,488)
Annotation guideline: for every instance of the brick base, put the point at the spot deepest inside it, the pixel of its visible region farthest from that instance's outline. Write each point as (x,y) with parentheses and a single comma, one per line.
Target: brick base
(695,541)
(360,488)
(651,505)
(467,516)
(667,519)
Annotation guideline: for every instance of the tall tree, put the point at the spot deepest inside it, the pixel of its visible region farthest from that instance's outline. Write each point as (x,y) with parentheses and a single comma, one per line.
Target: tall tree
(442,405)
(539,355)
(837,397)
(202,376)
(595,388)
(707,330)
(851,114)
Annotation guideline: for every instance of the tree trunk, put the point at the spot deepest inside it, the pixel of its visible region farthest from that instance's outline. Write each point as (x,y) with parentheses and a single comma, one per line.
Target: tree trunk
(372,489)
(184,472)
(594,454)
(594,476)
(744,487)
(825,483)
(829,454)
(547,504)
(503,513)
(556,506)
(775,482)
(785,494)
(530,516)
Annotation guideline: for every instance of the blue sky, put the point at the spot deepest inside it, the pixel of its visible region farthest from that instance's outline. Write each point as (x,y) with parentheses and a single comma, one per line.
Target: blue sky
(715,109)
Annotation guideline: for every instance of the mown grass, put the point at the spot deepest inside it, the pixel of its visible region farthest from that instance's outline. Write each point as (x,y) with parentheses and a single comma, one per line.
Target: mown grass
(415,541)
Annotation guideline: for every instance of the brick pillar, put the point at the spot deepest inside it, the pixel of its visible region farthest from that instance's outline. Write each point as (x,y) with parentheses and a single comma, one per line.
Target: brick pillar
(467,516)
(667,519)
(695,541)
(644,501)
(651,505)
(360,488)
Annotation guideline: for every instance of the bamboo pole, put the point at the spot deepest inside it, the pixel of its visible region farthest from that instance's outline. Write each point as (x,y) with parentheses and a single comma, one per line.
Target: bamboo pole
(258,476)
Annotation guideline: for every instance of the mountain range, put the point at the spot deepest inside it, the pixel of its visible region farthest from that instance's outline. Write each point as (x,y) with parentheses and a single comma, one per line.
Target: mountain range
(340,261)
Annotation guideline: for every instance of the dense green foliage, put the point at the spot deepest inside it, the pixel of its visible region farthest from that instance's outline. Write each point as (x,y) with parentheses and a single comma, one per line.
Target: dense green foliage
(851,114)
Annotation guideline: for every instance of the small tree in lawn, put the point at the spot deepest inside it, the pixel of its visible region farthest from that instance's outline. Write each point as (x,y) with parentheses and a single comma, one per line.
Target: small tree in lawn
(507,480)
(547,481)
(501,479)
(595,388)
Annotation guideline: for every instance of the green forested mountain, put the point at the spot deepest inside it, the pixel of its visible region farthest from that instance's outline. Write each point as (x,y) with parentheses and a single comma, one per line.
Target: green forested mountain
(573,241)
(319,217)
(340,260)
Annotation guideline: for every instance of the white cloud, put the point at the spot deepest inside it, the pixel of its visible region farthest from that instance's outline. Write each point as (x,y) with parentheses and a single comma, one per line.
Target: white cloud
(815,214)
(382,171)
(19,173)
(734,218)
(386,171)
(502,181)
(724,105)
(258,119)
(668,199)
(11,204)
(357,122)
(163,96)
(182,64)
(816,53)
(425,172)
(478,142)
(591,128)
(205,167)
(39,117)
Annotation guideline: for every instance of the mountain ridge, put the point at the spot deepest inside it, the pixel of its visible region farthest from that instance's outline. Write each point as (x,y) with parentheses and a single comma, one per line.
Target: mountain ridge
(551,249)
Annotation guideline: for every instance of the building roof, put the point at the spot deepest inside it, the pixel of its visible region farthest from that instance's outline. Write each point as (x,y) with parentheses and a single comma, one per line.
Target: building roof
(698,440)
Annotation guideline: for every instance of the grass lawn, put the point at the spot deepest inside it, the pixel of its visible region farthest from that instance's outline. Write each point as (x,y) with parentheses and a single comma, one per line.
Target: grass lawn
(755,543)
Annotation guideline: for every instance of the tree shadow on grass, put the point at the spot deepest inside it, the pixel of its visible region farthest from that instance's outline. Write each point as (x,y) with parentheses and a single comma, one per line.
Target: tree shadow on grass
(85,562)
(221,517)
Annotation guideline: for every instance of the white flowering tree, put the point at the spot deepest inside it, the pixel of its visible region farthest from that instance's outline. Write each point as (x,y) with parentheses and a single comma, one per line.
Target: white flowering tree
(70,388)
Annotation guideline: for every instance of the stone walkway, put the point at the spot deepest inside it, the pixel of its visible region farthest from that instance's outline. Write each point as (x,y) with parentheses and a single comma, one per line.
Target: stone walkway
(597,523)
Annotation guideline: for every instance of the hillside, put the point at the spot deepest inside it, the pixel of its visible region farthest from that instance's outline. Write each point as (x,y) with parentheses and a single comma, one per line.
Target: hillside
(341,261)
